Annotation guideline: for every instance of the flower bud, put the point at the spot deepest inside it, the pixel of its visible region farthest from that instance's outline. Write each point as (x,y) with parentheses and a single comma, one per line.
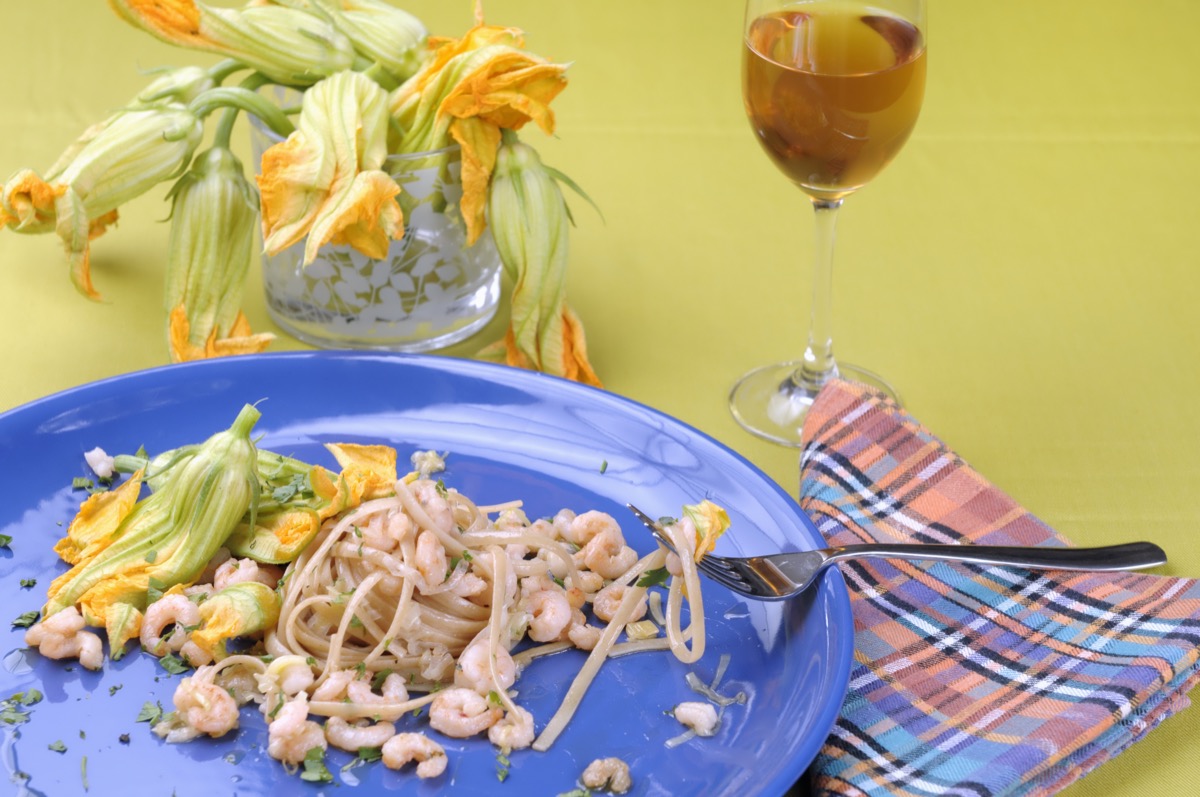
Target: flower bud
(530,225)
(181,84)
(390,37)
(109,166)
(213,226)
(288,45)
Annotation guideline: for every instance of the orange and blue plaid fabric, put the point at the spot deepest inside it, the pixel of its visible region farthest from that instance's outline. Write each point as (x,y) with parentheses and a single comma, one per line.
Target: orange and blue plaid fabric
(972,680)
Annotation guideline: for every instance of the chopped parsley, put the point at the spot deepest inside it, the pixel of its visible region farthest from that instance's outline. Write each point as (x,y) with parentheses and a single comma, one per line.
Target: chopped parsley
(366,755)
(112,690)
(5,540)
(83,772)
(57,747)
(123,738)
(380,677)
(28,583)
(603,466)
(495,699)
(654,578)
(297,487)
(81,483)
(25,620)
(10,710)
(151,713)
(314,767)
(173,664)
(576,793)
(502,764)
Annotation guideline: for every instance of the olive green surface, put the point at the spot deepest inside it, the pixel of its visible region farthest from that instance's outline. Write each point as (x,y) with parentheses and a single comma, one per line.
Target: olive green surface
(1026,271)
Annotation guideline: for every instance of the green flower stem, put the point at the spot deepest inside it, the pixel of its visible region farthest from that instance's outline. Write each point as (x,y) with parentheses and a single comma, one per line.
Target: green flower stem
(245,100)
(220,71)
(224,131)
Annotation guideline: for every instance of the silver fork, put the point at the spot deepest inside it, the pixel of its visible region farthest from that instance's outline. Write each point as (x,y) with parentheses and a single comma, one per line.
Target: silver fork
(782,575)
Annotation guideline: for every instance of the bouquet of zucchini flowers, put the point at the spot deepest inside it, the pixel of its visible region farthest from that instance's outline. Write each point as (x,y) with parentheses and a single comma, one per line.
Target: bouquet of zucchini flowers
(372,83)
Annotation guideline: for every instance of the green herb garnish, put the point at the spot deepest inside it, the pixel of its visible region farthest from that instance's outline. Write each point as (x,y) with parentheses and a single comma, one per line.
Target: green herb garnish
(57,747)
(314,767)
(654,578)
(25,620)
(151,713)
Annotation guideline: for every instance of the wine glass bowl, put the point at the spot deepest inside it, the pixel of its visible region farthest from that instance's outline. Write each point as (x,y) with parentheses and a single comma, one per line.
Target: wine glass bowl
(832,90)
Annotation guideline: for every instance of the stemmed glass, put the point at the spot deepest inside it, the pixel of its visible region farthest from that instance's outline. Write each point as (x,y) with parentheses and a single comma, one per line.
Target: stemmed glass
(832,89)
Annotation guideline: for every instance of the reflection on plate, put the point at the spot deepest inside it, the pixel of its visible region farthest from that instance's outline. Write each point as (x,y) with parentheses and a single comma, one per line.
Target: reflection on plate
(510,433)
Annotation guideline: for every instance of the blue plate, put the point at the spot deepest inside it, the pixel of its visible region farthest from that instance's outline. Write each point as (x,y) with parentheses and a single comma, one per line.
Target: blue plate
(510,434)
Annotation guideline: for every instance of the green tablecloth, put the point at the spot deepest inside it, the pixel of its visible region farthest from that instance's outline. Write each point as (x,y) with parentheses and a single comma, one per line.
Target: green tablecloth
(1026,272)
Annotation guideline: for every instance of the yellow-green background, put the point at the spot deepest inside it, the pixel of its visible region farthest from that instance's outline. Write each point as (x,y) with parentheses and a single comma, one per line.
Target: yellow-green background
(1026,272)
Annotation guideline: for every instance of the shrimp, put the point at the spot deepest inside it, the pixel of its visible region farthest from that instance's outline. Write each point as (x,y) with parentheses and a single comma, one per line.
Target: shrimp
(583,527)
(175,611)
(611,774)
(608,599)
(700,717)
(386,533)
(474,669)
(551,612)
(561,523)
(393,691)
(469,585)
(434,504)
(334,687)
(292,734)
(61,636)
(350,737)
(239,571)
(588,581)
(581,633)
(513,732)
(405,747)
(193,654)
(460,713)
(431,559)
(204,706)
(606,553)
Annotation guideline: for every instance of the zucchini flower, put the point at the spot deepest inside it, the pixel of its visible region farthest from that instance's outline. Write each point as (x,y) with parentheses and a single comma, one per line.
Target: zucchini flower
(238,610)
(109,166)
(468,91)
(530,224)
(288,45)
(711,521)
(294,496)
(163,540)
(213,226)
(326,181)
(386,35)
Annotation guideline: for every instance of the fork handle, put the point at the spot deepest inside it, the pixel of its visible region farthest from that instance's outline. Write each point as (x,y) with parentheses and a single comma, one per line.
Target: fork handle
(1128,556)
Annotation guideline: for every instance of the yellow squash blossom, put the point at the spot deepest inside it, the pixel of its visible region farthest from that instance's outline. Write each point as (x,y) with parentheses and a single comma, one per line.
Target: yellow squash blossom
(529,223)
(325,181)
(211,247)
(469,91)
(131,154)
(288,45)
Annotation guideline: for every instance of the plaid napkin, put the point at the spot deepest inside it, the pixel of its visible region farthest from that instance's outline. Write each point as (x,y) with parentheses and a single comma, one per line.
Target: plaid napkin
(972,680)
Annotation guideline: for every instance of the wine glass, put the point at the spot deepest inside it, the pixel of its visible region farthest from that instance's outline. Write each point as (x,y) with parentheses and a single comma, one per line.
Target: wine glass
(832,89)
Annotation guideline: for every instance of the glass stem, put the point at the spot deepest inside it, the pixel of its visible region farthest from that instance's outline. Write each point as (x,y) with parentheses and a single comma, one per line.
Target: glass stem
(819,366)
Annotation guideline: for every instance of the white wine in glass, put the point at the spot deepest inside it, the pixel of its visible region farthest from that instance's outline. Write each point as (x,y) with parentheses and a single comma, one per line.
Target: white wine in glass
(832,89)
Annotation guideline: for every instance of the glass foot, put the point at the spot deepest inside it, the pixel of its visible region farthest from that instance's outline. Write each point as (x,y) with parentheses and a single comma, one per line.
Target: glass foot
(772,402)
